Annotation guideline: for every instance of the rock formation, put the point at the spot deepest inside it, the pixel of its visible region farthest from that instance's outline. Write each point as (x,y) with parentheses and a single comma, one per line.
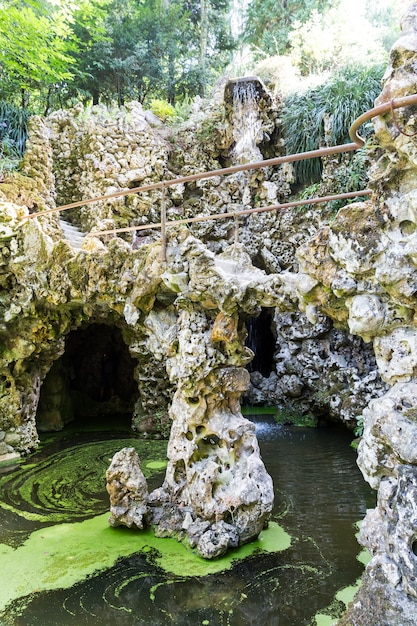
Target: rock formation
(216,492)
(195,332)
(71,300)
(330,286)
(364,266)
(127,489)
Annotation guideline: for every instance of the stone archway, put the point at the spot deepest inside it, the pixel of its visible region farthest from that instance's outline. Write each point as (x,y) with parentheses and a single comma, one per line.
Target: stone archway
(93,378)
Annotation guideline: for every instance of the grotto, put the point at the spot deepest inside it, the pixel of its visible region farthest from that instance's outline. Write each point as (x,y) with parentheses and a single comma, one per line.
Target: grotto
(102,314)
(94,376)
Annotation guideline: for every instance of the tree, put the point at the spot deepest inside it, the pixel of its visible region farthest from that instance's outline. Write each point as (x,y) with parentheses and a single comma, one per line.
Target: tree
(34,46)
(269,22)
(210,29)
(108,50)
(138,50)
(336,36)
(154,48)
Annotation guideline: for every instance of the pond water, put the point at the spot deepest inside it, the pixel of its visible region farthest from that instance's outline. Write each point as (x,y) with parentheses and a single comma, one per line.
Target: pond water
(61,564)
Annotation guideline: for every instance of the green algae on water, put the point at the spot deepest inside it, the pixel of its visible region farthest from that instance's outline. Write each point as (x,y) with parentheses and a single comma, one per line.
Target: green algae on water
(69,485)
(346,594)
(62,555)
(156,465)
(324,620)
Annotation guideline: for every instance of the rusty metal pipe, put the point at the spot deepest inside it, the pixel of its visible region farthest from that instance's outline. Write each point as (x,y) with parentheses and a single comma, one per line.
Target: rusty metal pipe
(235,214)
(381,109)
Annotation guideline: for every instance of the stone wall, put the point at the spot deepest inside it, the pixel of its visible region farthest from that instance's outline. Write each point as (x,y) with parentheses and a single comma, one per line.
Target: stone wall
(216,486)
(85,153)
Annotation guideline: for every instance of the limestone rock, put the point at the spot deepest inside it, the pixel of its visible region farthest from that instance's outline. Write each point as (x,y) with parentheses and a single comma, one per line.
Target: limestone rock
(128,490)
(378,602)
(183,317)
(396,354)
(217,540)
(390,433)
(318,370)
(396,525)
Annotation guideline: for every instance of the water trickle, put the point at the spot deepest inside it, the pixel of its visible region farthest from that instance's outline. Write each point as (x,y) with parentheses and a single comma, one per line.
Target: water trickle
(247,124)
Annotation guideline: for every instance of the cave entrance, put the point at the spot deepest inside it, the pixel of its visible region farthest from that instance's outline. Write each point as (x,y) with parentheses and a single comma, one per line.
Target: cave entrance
(92,380)
(261,341)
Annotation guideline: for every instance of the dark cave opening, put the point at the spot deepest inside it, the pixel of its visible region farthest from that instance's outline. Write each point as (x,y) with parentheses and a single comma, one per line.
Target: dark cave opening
(92,379)
(261,341)
(99,363)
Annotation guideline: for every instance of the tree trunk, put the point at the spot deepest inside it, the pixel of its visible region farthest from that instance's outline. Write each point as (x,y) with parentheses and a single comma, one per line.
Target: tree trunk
(171,78)
(204,7)
(24,98)
(48,101)
(120,91)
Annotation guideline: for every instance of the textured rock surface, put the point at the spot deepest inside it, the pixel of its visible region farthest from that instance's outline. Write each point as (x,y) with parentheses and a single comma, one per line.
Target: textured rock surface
(127,489)
(379,603)
(319,370)
(364,265)
(214,469)
(334,283)
(216,482)
(53,290)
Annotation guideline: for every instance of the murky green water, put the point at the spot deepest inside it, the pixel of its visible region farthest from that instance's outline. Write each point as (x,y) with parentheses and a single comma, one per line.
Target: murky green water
(61,564)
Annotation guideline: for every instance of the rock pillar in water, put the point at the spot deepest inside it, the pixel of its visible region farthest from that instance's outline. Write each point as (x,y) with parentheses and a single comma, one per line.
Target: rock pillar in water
(216,492)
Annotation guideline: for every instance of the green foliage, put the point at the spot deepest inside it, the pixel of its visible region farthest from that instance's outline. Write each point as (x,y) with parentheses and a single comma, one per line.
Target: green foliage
(13,128)
(359,426)
(34,43)
(293,417)
(13,134)
(183,109)
(171,114)
(162,109)
(350,176)
(303,131)
(147,50)
(312,191)
(269,22)
(107,50)
(323,115)
(336,35)
(321,35)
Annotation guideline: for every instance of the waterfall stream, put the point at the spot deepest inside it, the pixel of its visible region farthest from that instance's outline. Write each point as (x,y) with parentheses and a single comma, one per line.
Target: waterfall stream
(247,123)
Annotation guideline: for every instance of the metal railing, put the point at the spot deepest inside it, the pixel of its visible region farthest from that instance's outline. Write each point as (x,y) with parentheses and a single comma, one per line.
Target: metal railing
(357,142)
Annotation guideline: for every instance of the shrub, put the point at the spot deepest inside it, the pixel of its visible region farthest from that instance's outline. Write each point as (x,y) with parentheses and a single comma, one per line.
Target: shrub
(183,109)
(13,135)
(162,109)
(340,100)
(13,129)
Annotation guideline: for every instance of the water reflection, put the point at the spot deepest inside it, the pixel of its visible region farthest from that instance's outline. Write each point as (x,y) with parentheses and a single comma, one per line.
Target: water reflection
(319,494)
